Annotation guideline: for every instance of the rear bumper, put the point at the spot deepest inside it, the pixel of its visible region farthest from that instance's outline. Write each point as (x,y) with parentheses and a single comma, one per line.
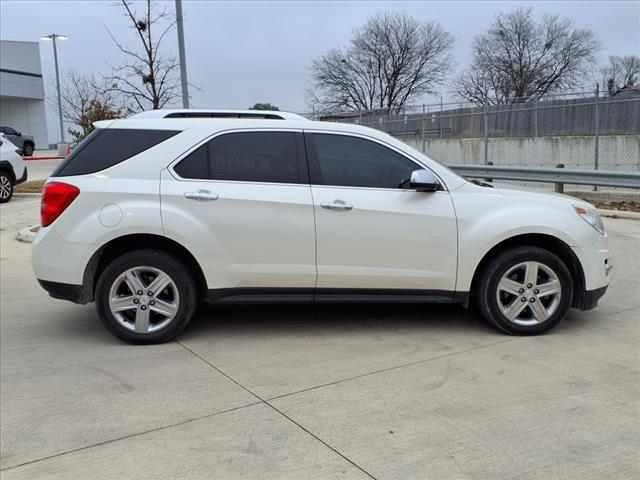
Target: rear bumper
(23,178)
(64,291)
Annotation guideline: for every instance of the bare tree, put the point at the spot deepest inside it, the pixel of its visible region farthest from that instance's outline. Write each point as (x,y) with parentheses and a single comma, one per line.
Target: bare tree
(86,100)
(148,78)
(520,59)
(620,72)
(263,106)
(391,60)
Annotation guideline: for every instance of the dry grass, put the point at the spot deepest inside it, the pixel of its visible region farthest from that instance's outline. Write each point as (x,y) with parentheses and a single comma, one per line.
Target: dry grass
(32,186)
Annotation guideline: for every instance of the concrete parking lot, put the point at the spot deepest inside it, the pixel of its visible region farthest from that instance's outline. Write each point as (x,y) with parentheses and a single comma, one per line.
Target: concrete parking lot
(41,169)
(297,392)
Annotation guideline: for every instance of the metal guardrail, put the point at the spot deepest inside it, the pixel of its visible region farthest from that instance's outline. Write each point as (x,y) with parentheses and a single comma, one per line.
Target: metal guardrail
(559,175)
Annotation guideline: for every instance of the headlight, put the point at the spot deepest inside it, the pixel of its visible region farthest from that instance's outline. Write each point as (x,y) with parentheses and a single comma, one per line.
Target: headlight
(590,216)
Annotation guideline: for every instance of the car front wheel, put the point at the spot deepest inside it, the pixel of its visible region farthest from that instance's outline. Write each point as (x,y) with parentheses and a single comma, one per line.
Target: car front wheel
(525,291)
(146,296)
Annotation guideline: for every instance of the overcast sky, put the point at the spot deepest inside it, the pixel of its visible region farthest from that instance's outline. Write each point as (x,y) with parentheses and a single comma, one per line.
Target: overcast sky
(240,53)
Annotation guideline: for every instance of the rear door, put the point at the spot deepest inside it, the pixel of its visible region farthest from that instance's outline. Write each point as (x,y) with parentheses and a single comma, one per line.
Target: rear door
(371,233)
(241,202)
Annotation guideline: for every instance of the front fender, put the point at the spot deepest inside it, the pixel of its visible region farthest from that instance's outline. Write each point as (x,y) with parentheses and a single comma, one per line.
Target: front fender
(485,220)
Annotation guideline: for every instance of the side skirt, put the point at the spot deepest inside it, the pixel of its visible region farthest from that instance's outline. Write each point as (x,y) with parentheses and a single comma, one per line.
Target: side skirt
(332,295)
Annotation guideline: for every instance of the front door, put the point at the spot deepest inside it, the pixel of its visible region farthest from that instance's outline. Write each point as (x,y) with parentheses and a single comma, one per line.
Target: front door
(371,233)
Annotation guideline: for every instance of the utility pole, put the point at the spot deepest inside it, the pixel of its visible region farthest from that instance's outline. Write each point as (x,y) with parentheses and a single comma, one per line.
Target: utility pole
(183,60)
(54,37)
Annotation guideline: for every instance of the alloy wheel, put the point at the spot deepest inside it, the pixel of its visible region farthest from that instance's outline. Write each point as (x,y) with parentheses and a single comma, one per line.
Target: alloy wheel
(144,299)
(5,187)
(529,293)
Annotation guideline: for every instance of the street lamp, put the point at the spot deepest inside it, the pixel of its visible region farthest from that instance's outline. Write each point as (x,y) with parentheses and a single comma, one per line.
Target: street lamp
(54,37)
(183,59)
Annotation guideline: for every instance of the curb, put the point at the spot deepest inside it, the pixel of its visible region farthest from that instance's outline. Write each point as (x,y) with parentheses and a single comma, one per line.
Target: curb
(27,195)
(619,214)
(27,234)
(31,159)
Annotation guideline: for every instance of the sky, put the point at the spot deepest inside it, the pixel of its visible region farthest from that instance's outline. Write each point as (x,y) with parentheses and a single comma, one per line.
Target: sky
(239,53)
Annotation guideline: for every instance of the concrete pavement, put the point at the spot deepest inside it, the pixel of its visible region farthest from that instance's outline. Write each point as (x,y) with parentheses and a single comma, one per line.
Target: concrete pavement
(279,392)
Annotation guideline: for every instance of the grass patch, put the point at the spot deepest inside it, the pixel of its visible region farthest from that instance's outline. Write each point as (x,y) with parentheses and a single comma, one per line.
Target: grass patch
(32,186)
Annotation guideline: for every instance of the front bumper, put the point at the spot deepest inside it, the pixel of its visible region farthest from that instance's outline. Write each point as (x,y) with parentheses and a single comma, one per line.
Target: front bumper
(597,272)
(591,297)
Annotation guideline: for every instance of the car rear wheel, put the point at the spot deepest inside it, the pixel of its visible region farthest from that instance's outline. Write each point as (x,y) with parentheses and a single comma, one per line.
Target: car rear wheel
(6,187)
(525,291)
(27,150)
(146,296)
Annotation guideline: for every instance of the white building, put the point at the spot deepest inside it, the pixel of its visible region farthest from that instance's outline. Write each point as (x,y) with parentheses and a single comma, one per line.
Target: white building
(22,90)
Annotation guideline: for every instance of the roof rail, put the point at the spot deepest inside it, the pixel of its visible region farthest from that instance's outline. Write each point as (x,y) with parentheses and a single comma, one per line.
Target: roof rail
(209,113)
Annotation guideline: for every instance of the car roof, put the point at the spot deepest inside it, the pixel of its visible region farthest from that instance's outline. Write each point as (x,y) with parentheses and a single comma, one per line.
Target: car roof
(217,113)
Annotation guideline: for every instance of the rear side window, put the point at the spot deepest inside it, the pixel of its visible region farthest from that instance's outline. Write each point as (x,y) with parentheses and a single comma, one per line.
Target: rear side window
(106,147)
(247,156)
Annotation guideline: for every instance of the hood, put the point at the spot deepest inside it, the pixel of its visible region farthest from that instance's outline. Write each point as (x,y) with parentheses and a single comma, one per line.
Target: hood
(517,192)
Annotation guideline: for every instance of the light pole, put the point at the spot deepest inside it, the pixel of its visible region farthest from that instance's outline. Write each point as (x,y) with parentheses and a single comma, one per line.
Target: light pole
(54,37)
(183,60)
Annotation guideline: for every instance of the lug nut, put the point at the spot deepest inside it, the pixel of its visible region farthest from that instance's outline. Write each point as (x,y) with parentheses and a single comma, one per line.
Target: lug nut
(529,285)
(152,303)
(136,301)
(143,307)
(521,290)
(150,294)
(140,292)
(523,299)
(536,291)
(532,300)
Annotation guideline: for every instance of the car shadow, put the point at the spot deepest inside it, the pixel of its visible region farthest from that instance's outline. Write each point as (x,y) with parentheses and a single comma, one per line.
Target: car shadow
(271,319)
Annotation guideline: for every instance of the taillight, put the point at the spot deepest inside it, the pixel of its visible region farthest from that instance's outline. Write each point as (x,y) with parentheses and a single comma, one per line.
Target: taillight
(56,197)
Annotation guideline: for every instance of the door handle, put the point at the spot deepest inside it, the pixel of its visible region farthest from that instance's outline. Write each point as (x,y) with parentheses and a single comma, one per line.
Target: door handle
(337,205)
(201,195)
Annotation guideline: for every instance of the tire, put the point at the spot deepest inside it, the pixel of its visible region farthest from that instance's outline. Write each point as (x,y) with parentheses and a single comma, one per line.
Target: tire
(167,312)
(27,150)
(542,308)
(6,187)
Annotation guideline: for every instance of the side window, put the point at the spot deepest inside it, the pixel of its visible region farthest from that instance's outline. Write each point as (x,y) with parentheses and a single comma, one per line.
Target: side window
(356,162)
(106,147)
(246,156)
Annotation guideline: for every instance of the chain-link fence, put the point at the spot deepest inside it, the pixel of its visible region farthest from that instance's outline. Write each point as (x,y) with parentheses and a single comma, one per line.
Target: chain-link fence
(579,130)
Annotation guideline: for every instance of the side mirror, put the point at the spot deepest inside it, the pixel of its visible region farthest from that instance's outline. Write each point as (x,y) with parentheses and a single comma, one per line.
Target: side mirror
(424,181)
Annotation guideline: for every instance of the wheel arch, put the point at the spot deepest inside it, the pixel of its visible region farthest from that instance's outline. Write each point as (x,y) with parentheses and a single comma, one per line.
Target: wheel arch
(117,246)
(547,242)
(6,167)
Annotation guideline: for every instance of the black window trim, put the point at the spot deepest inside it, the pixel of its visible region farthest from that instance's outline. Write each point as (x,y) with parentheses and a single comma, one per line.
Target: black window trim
(300,157)
(314,167)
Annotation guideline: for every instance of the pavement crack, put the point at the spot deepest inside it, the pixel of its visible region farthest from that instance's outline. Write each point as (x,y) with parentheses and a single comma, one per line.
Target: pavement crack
(395,367)
(266,402)
(133,435)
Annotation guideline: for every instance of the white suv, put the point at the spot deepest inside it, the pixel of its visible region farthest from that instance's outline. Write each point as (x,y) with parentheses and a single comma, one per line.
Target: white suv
(12,168)
(149,216)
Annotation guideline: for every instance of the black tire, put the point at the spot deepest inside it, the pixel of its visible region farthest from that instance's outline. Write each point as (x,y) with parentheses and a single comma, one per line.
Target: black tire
(27,150)
(487,289)
(6,187)
(160,260)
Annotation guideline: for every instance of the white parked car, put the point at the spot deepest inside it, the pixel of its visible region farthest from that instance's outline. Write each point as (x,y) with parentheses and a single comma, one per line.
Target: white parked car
(12,168)
(148,216)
